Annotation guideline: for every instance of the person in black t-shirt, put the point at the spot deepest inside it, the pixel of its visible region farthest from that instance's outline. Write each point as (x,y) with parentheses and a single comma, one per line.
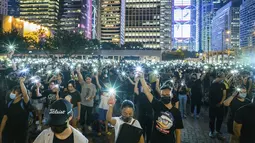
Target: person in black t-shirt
(234,102)
(15,120)
(37,101)
(52,94)
(145,112)
(167,118)
(75,97)
(244,125)
(216,109)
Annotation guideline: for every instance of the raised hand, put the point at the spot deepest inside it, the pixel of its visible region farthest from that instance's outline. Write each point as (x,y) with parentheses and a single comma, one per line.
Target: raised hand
(112,101)
(22,79)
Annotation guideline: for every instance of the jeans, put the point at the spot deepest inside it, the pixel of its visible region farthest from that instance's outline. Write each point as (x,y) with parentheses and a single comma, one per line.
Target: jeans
(183,102)
(86,110)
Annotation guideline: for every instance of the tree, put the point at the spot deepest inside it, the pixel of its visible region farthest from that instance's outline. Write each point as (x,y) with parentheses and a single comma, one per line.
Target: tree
(69,42)
(110,46)
(11,40)
(133,45)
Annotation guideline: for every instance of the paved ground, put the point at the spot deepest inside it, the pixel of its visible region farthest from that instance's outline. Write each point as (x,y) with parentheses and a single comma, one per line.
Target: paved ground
(195,131)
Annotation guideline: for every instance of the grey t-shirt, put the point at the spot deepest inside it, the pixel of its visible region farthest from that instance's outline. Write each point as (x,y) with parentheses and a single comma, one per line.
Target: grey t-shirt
(87,90)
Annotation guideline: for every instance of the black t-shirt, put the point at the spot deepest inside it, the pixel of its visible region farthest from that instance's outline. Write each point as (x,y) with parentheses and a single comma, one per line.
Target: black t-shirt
(34,96)
(17,116)
(76,97)
(216,93)
(50,97)
(144,103)
(245,116)
(196,90)
(234,106)
(175,98)
(69,139)
(166,121)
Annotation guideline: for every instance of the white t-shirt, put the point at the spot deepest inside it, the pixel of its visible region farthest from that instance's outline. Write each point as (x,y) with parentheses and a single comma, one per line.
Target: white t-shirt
(104,101)
(119,122)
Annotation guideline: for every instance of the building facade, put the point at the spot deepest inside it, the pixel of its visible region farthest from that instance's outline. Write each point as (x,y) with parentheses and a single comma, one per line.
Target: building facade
(43,12)
(4,7)
(13,8)
(76,15)
(184,22)
(247,24)
(112,21)
(225,28)
(142,22)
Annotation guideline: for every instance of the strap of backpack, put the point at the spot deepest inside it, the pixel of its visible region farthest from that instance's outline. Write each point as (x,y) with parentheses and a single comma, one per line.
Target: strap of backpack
(10,103)
(133,122)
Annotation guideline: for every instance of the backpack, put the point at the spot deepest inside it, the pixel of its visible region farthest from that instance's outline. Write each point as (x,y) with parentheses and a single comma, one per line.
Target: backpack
(30,114)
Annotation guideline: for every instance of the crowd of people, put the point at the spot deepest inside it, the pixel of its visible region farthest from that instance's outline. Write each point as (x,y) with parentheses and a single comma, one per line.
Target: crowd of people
(64,99)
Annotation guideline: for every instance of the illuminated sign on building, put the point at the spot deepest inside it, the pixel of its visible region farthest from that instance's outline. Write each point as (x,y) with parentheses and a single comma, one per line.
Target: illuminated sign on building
(182,17)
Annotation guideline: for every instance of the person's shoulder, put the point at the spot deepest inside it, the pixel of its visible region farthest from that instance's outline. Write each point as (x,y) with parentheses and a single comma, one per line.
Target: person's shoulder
(79,136)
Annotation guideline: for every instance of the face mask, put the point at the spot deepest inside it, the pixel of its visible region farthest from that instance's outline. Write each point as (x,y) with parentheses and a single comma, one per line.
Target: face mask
(12,96)
(126,119)
(166,99)
(59,129)
(242,95)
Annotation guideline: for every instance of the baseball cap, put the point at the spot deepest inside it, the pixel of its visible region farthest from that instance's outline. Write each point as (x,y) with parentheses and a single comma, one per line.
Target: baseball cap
(59,112)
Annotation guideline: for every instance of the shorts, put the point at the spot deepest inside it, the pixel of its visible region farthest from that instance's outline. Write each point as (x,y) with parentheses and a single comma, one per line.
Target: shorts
(75,112)
(37,104)
(102,114)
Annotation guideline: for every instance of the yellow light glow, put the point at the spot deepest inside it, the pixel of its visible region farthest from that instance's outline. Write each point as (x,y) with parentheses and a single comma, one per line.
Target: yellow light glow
(10,19)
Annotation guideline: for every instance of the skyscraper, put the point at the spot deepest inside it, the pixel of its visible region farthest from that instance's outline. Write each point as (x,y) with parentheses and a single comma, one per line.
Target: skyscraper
(13,8)
(43,12)
(76,15)
(142,22)
(183,34)
(4,7)
(225,28)
(247,24)
(112,24)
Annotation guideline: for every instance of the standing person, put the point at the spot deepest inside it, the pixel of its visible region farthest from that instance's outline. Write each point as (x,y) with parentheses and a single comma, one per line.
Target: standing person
(75,101)
(216,109)
(167,118)
(247,80)
(127,113)
(103,105)
(196,94)
(37,103)
(60,114)
(183,98)
(244,125)
(52,94)
(15,120)
(145,112)
(234,102)
(88,93)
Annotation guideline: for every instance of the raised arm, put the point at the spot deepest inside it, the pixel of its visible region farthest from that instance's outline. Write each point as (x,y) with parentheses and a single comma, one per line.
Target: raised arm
(145,88)
(97,81)
(131,81)
(24,90)
(80,77)
(229,100)
(136,86)
(157,86)
(111,103)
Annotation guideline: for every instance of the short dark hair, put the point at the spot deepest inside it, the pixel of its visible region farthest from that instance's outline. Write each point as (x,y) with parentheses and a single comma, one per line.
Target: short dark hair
(167,85)
(127,103)
(16,88)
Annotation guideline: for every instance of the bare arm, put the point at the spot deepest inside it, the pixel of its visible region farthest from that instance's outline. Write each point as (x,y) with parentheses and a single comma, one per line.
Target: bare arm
(80,77)
(79,110)
(136,87)
(141,139)
(146,90)
(237,129)
(229,100)
(24,90)
(157,86)
(224,96)
(178,135)
(250,86)
(109,115)
(130,80)
(4,120)
(97,81)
